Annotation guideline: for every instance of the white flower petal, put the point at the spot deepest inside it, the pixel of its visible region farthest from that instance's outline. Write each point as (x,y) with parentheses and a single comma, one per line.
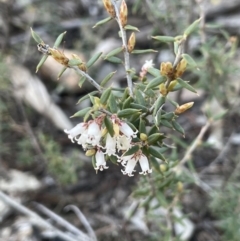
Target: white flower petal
(110,145)
(94,134)
(100,161)
(144,165)
(129,167)
(76,131)
(123,143)
(127,130)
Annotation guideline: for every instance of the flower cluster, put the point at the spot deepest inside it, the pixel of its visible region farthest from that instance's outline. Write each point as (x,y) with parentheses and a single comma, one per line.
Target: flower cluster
(93,135)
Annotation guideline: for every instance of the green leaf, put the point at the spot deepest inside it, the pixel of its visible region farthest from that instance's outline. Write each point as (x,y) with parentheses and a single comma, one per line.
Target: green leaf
(87,96)
(189,60)
(154,138)
(81,81)
(154,163)
(61,73)
(176,46)
(105,20)
(138,106)
(93,59)
(220,115)
(127,112)
(168,116)
(166,123)
(105,96)
(165,39)
(175,104)
(114,60)
(143,51)
(178,128)
(113,159)
(36,37)
(131,151)
(190,29)
(153,71)
(139,97)
(114,52)
(107,78)
(155,82)
(41,62)
(109,126)
(112,103)
(81,112)
(153,130)
(185,85)
(155,151)
(59,40)
(142,126)
(127,102)
(160,101)
(130,27)
(158,117)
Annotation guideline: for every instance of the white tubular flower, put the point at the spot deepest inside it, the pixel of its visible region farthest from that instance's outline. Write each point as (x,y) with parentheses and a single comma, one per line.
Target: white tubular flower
(123,143)
(82,140)
(100,161)
(129,166)
(76,131)
(110,145)
(144,165)
(94,134)
(127,130)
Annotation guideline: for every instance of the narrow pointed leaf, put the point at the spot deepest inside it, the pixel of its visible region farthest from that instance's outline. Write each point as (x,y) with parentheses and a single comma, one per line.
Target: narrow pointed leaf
(59,40)
(81,81)
(127,102)
(139,97)
(178,128)
(41,62)
(164,39)
(74,62)
(138,106)
(192,27)
(130,27)
(105,20)
(112,103)
(168,116)
(155,82)
(175,104)
(155,151)
(160,101)
(143,51)
(87,96)
(154,138)
(107,78)
(131,151)
(127,112)
(153,71)
(114,60)
(109,126)
(94,58)
(36,37)
(185,85)
(81,112)
(189,60)
(142,126)
(61,73)
(114,52)
(105,96)
(166,123)
(157,118)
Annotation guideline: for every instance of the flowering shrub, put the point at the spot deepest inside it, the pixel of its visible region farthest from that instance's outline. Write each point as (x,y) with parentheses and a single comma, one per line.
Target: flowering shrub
(123,125)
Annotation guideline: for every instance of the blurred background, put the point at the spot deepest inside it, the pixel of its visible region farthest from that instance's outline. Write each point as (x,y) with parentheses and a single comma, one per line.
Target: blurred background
(38,163)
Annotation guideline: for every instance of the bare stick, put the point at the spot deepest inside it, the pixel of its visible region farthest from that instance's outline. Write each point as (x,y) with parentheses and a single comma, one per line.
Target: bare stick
(89,78)
(83,220)
(36,218)
(126,53)
(62,222)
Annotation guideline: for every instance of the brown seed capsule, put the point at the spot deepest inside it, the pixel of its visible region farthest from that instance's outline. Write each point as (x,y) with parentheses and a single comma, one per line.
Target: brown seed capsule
(182,108)
(123,13)
(166,69)
(131,42)
(181,67)
(109,7)
(59,56)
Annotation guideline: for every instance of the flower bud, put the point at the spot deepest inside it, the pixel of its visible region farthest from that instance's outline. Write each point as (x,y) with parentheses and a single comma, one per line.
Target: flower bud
(182,108)
(109,7)
(90,152)
(143,137)
(131,42)
(163,89)
(172,85)
(163,167)
(123,13)
(181,67)
(180,186)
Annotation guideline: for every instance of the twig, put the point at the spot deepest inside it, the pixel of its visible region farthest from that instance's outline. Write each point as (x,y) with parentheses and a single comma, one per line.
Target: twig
(194,144)
(89,78)
(36,218)
(62,222)
(126,53)
(83,220)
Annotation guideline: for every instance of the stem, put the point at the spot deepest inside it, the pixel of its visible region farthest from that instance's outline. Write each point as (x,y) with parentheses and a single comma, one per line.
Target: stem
(89,78)
(125,52)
